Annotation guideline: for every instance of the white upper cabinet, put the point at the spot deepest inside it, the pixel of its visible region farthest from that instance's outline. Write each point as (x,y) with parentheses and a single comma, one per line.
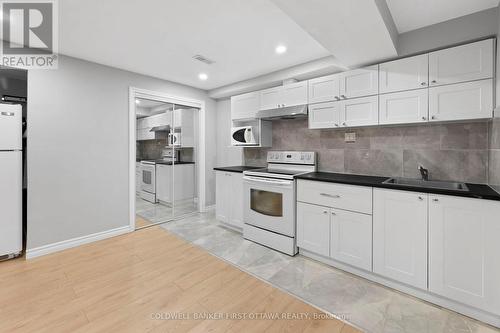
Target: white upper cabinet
(287,95)
(313,228)
(324,89)
(470,100)
(351,238)
(404,107)
(359,82)
(464,249)
(404,74)
(359,112)
(400,236)
(324,115)
(294,94)
(462,63)
(271,98)
(245,106)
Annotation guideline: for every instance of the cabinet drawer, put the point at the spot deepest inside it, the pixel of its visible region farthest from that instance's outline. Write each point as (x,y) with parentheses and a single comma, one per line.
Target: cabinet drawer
(348,197)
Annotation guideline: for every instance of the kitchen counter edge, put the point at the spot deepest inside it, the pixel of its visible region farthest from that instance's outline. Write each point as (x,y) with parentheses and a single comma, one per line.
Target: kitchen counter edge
(236,168)
(478,191)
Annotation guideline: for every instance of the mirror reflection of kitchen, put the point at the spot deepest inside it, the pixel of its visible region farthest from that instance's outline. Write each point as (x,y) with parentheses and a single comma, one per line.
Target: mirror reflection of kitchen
(166,165)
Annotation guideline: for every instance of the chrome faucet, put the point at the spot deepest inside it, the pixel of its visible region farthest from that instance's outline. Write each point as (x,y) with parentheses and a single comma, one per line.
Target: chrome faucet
(423,172)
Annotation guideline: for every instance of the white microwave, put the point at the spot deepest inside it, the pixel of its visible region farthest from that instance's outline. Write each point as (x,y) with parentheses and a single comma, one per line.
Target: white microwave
(174,139)
(243,136)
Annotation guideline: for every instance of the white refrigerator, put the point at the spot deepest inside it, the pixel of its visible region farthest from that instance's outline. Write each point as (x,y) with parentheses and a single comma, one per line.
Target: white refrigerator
(11,201)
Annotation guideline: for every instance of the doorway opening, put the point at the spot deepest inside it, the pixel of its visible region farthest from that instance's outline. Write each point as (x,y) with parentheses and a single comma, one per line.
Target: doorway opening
(166,158)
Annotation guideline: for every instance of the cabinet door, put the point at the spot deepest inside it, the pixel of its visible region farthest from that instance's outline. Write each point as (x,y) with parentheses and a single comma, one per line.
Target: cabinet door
(236,197)
(400,236)
(359,82)
(462,63)
(464,247)
(245,106)
(324,89)
(351,238)
(404,74)
(324,115)
(294,94)
(470,100)
(359,111)
(222,196)
(404,107)
(313,228)
(271,98)
(164,183)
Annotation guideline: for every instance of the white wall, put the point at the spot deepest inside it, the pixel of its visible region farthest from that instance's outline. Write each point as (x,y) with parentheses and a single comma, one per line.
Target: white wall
(226,155)
(78,148)
(462,29)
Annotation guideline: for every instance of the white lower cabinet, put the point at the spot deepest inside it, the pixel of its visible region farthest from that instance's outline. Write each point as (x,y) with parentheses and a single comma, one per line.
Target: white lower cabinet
(464,249)
(175,185)
(400,236)
(229,198)
(313,228)
(351,238)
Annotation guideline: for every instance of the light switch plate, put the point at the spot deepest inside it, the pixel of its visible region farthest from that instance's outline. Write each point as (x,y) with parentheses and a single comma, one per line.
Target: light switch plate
(350,137)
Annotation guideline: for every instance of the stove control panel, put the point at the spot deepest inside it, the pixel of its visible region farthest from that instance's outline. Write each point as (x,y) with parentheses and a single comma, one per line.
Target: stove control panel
(292,157)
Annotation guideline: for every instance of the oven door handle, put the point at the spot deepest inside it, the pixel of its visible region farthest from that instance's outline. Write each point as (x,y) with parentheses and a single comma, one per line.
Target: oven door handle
(268,181)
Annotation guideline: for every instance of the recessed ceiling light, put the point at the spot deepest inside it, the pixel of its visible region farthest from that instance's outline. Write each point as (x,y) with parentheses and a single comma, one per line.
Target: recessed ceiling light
(203,76)
(280,49)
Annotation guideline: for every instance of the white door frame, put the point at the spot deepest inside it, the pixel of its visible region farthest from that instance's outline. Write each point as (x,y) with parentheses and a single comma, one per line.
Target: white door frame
(163,97)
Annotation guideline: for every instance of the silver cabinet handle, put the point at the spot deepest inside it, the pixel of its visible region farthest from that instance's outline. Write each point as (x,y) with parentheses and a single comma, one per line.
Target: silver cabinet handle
(337,125)
(423,83)
(337,98)
(283,105)
(420,198)
(433,81)
(433,117)
(344,124)
(343,96)
(9,114)
(330,195)
(325,212)
(435,200)
(333,213)
(424,118)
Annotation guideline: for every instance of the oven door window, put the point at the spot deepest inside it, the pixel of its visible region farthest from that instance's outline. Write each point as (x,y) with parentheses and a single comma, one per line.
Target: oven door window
(146,177)
(267,203)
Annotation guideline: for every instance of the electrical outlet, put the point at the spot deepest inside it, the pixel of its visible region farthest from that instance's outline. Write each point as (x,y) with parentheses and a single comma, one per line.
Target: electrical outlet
(350,137)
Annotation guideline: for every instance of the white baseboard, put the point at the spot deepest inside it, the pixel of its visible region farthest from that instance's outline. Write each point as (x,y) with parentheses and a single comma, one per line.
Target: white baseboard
(74,242)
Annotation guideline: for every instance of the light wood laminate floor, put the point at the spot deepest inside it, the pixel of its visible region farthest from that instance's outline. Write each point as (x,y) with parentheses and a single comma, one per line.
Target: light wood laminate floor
(119,284)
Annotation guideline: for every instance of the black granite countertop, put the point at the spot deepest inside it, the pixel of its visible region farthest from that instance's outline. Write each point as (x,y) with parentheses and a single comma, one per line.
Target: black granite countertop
(236,168)
(479,191)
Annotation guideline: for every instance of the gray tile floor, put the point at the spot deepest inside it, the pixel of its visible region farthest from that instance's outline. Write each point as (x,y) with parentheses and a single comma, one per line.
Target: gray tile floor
(156,213)
(366,305)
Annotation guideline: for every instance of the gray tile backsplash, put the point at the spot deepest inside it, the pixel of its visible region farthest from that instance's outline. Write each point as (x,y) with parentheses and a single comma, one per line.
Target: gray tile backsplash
(456,151)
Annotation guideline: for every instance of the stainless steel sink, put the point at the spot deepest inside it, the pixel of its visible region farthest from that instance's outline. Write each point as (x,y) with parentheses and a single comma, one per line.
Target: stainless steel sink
(454,186)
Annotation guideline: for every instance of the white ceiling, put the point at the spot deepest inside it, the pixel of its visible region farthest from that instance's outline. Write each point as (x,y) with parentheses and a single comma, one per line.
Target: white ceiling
(160,37)
(353,31)
(413,14)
